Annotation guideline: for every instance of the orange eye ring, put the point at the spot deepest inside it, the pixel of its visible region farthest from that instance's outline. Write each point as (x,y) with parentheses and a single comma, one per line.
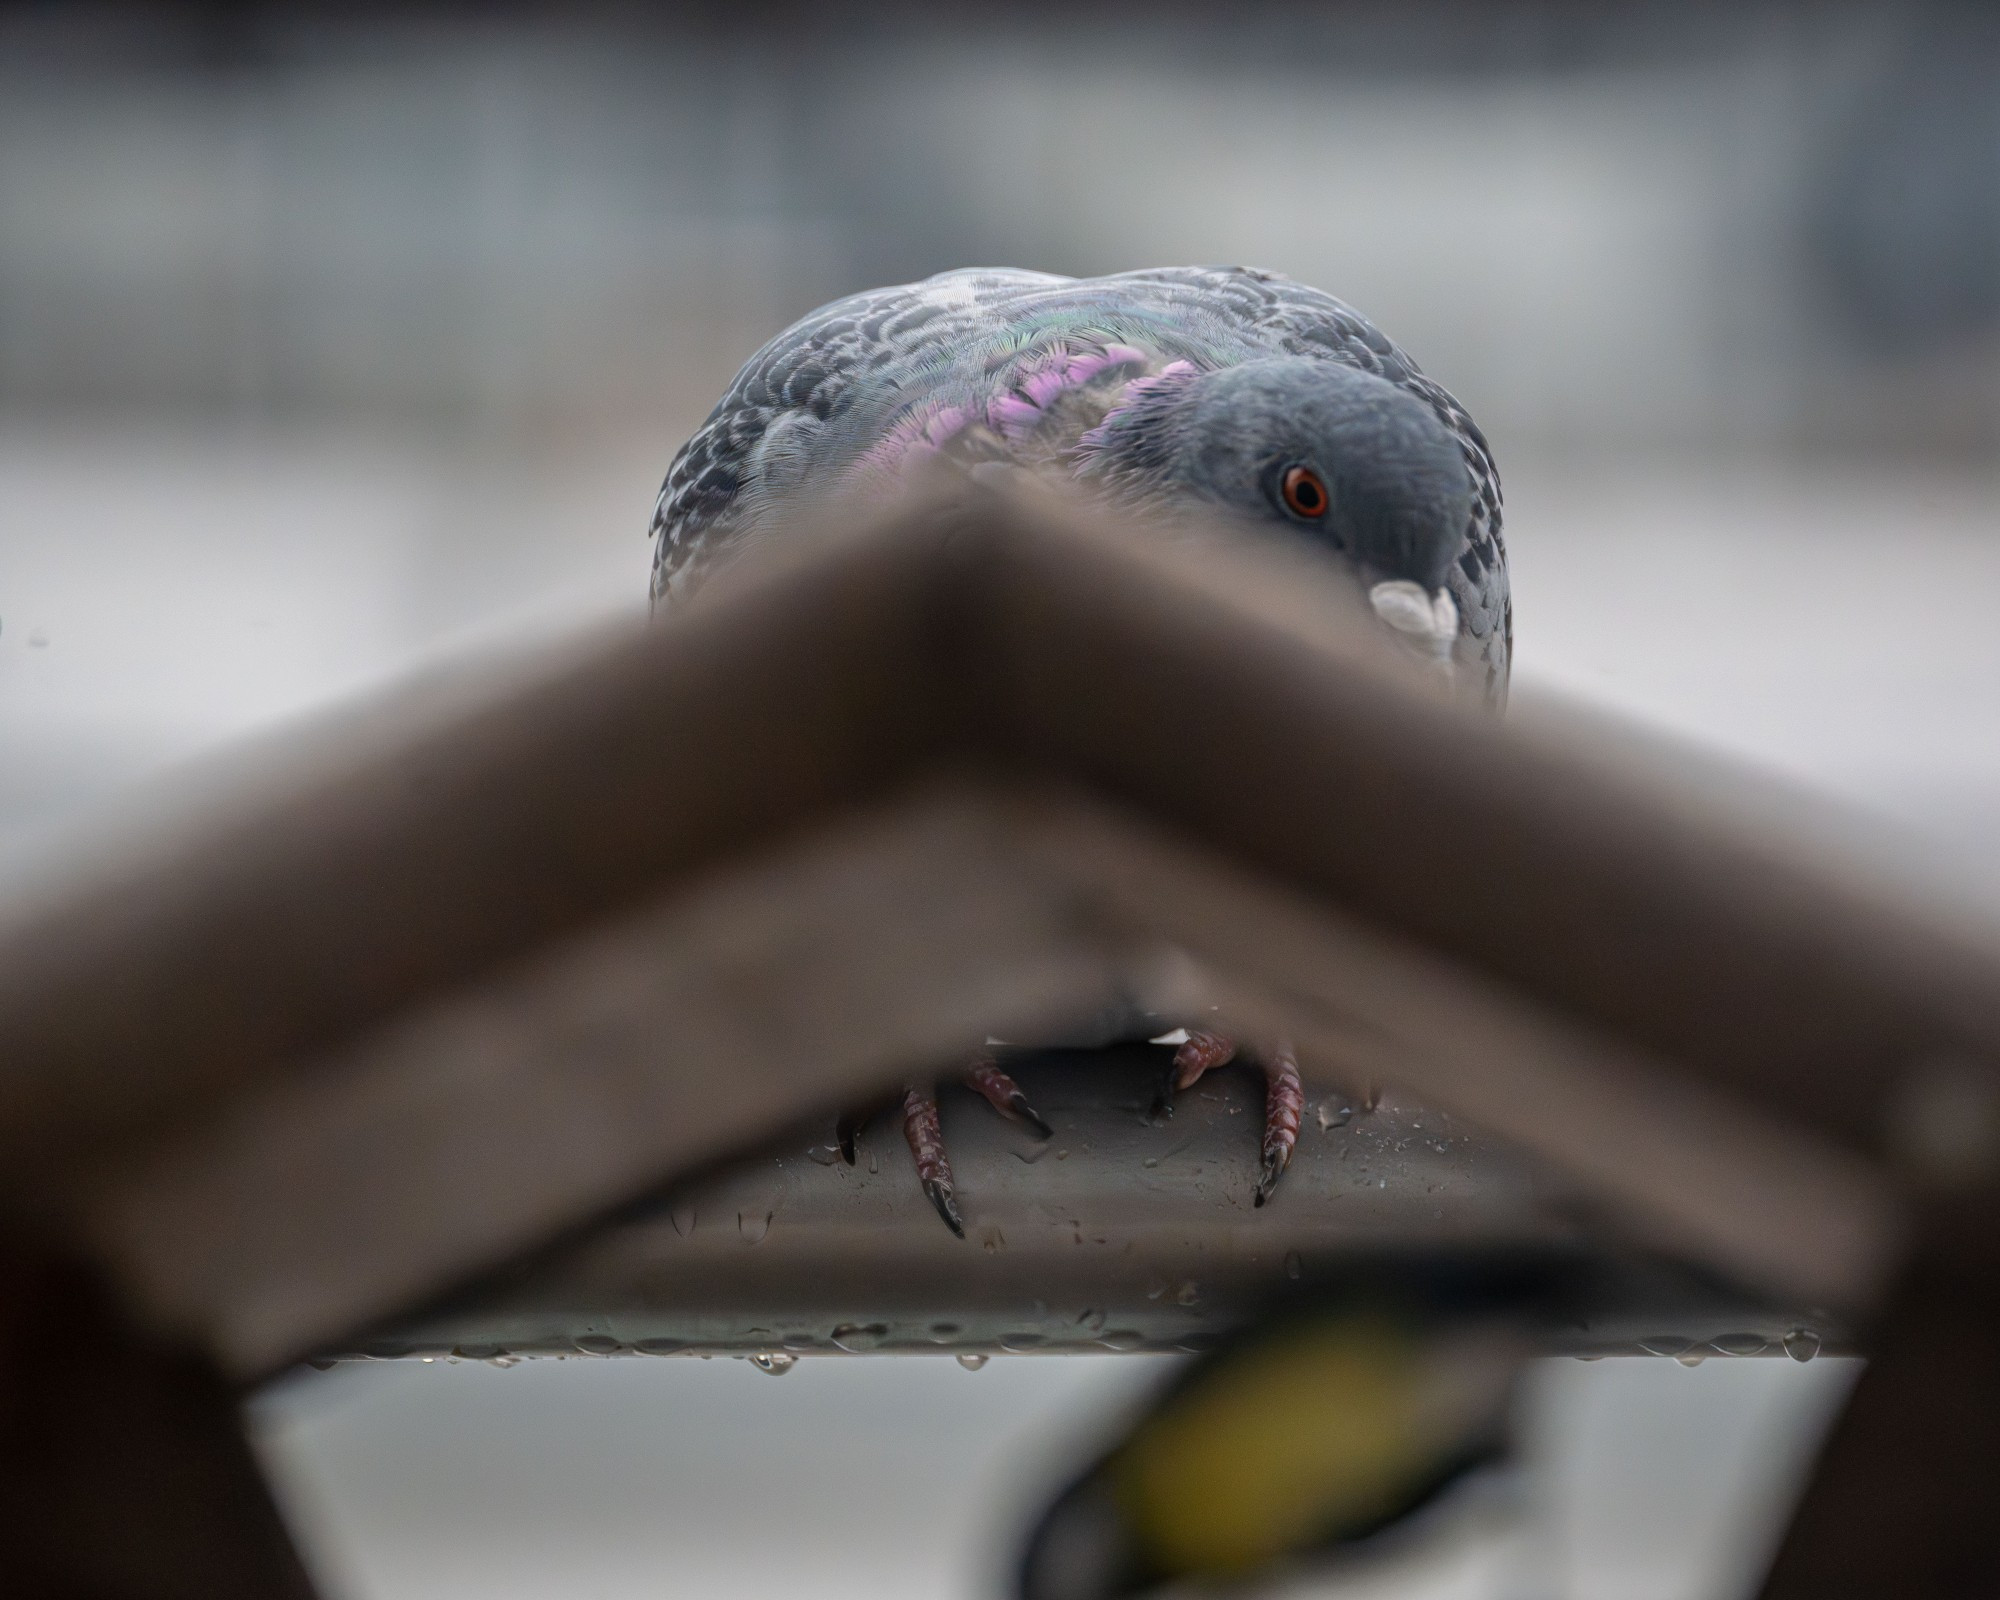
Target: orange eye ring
(1305,492)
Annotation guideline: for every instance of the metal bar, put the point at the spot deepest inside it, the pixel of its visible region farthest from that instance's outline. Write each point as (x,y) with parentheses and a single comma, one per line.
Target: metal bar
(1122,1232)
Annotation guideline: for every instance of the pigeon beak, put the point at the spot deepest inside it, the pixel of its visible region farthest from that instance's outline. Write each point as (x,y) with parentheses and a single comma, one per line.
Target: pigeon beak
(1429,622)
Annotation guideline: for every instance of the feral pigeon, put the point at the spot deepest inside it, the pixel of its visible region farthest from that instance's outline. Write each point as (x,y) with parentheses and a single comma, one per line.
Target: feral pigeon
(1226,391)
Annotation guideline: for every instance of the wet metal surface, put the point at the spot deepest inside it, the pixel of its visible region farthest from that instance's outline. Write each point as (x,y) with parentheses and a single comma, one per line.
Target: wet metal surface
(1120,1233)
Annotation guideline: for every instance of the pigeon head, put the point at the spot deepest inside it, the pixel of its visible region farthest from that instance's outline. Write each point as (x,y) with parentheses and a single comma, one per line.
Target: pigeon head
(1328,452)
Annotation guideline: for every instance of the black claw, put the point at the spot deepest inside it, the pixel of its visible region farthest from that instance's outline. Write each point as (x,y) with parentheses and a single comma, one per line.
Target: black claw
(947,1207)
(1018,1102)
(1274,1169)
(1163,1098)
(845,1132)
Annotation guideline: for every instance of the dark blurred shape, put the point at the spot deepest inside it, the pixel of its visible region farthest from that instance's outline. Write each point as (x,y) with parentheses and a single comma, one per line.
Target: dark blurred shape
(1906,1500)
(1313,1434)
(124,1473)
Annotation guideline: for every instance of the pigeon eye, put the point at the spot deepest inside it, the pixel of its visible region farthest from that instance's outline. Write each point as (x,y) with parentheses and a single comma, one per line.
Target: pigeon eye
(1304,491)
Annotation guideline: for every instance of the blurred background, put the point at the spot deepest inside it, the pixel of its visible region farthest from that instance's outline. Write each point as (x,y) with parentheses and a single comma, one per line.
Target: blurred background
(339,344)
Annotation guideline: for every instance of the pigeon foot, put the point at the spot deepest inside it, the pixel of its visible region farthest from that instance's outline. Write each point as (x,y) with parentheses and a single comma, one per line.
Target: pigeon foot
(1284,1096)
(1284,1110)
(1197,1054)
(926,1135)
(1004,1095)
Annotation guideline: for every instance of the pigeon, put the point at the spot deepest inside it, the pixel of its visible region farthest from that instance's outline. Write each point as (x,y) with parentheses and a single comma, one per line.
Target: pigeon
(1226,393)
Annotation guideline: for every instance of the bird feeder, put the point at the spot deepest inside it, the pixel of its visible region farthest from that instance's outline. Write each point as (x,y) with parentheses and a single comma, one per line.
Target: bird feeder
(520,1027)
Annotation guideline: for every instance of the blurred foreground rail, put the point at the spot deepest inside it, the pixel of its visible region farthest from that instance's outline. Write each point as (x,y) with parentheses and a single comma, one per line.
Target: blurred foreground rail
(466,988)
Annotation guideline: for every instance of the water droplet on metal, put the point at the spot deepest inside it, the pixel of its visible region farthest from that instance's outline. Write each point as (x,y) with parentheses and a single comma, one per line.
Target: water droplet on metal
(1018,1342)
(682,1215)
(824,1154)
(1188,1294)
(1151,1161)
(599,1344)
(775,1362)
(1802,1344)
(1334,1114)
(944,1330)
(1294,1267)
(873,1165)
(1093,1320)
(503,1362)
(1692,1358)
(1371,1097)
(855,1337)
(1740,1344)
(973,1360)
(1032,1154)
(753,1225)
(1665,1344)
(660,1347)
(1123,1339)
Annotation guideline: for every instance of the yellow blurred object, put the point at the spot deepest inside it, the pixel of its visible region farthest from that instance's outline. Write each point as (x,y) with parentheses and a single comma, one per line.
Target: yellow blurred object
(1332,1421)
(1323,1433)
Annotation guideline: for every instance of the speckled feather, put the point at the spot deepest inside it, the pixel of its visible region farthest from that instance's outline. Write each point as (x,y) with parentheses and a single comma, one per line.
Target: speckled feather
(1013,365)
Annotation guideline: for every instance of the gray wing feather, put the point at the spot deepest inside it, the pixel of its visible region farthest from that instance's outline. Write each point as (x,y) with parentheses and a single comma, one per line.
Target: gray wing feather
(801,384)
